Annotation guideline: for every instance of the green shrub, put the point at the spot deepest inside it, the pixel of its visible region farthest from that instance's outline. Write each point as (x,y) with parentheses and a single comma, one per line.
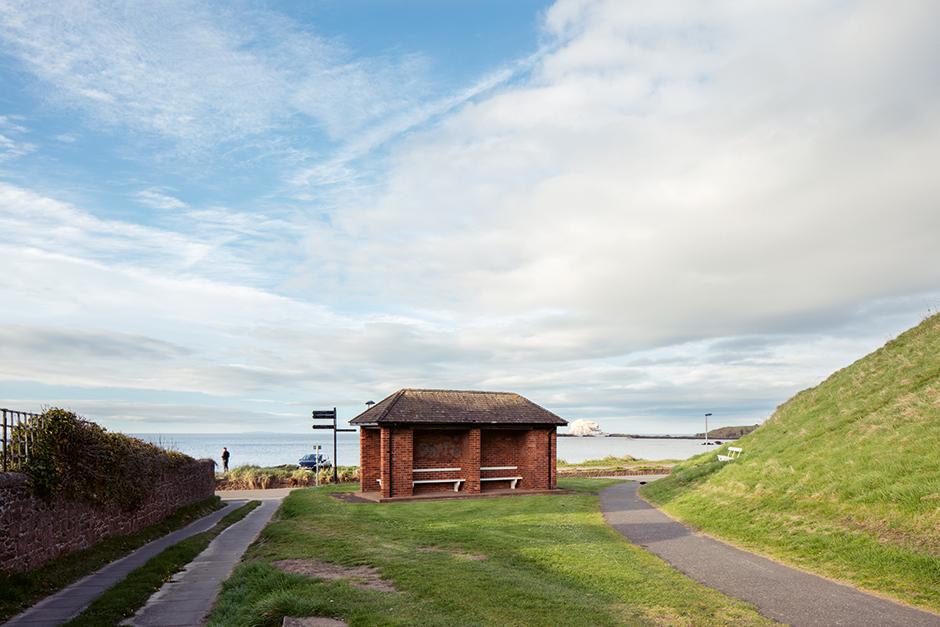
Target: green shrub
(82,461)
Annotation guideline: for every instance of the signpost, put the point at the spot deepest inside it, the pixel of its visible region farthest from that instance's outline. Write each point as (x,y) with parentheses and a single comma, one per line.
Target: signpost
(328,414)
(316,464)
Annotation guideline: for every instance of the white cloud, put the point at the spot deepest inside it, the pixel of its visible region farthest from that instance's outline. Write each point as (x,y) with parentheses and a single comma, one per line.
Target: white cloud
(11,146)
(159,199)
(198,74)
(671,173)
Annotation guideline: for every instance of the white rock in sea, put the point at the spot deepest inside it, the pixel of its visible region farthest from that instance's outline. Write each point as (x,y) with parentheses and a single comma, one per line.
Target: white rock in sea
(584,427)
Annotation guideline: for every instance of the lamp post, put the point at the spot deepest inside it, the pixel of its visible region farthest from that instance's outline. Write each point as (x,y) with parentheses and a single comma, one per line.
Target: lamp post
(706,429)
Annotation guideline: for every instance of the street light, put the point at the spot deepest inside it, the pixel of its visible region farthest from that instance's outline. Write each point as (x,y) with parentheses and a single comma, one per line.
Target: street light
(706,429)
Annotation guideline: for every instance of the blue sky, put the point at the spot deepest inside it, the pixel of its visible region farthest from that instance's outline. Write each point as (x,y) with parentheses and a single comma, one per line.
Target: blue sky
(218,216)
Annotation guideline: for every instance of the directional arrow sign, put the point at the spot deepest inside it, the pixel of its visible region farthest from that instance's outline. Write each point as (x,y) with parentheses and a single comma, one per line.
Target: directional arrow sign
(323,415)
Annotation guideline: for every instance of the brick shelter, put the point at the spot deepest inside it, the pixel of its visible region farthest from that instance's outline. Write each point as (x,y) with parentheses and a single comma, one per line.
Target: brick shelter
(418,442)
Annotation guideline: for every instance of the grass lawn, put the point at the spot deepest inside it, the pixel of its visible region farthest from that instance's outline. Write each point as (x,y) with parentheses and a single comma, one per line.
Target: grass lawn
(17,592)
(517,560)
(124,599)
(843,479)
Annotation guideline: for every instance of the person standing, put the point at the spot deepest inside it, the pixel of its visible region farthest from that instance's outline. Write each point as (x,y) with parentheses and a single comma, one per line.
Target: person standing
(225,459)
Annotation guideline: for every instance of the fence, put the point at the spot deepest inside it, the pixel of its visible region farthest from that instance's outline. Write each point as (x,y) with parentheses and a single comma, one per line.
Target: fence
(18,430)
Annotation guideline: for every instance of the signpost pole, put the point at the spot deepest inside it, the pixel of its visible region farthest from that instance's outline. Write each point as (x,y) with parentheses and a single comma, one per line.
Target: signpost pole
(335,461)
(329,415)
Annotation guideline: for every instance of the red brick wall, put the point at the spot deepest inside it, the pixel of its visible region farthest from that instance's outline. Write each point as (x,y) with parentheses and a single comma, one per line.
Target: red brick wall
(501,447)
(370,459)
(553,457)
(32,531)
(470,461)
(536,464)
(385,469)
(402,440)
(532,451)
(438,448)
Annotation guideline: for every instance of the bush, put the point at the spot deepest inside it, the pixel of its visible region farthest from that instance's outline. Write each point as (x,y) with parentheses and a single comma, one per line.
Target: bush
(82,461)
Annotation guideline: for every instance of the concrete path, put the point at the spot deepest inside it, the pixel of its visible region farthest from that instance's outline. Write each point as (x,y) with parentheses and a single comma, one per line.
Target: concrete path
(779,592)
(255,495)
(189,596)
(69,602)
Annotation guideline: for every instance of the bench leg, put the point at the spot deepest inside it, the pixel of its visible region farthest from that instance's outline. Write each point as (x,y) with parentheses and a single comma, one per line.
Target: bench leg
(456,486)
(514,482)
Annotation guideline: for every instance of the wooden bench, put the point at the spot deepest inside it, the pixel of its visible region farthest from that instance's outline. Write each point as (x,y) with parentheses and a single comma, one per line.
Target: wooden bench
(456,482)
(733,453)
(514,480)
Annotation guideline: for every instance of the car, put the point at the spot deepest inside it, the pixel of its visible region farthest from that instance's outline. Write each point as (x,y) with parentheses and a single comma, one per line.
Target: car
(311,460)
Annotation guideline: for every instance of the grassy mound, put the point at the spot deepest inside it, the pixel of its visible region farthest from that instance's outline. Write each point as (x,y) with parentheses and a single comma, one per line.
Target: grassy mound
(843,479)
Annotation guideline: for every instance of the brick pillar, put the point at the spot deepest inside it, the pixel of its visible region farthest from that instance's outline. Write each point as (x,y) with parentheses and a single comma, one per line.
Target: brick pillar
(385,472)
(402,461)
(553,456)
(535,455)
(470,461)
(370,459)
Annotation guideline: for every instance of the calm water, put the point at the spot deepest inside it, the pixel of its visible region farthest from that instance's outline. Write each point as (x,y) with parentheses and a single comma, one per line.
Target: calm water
(272,449)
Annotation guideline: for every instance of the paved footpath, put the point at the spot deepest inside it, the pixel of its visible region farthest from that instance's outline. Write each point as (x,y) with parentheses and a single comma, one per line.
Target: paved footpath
(189,596)
(69,602)
(779,592)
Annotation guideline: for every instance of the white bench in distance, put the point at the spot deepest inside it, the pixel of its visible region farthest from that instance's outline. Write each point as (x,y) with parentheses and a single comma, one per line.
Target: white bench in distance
(456,482)
(733,453)
(514,480)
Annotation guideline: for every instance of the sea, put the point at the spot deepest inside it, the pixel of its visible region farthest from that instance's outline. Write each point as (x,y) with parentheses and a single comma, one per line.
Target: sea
(274,449)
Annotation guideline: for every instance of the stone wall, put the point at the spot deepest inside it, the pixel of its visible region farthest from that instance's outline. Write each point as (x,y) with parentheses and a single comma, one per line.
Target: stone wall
(32,531)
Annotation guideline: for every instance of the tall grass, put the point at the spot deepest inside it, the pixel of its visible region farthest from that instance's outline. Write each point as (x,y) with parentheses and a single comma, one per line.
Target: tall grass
(262,478)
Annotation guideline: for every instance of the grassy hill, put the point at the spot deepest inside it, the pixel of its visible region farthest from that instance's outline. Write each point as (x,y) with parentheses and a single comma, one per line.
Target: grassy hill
(843,479)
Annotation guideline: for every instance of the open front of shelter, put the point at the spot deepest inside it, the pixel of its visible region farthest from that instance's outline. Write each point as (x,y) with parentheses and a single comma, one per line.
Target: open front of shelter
(426,442)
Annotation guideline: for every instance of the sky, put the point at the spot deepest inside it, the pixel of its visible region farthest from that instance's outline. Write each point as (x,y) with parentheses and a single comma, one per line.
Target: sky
(218,216)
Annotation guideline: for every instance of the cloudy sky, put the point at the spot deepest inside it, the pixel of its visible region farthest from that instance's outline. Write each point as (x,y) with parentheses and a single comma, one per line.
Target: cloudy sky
(217,216)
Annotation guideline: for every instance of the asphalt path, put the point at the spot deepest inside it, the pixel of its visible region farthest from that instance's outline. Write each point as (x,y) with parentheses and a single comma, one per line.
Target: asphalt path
(779,592)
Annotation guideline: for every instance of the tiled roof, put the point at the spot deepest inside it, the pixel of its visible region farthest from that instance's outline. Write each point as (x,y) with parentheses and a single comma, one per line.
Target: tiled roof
(456,407)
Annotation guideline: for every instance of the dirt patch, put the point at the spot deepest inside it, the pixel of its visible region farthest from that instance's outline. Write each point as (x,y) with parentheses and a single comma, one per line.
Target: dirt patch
(362,577)
(473,557)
